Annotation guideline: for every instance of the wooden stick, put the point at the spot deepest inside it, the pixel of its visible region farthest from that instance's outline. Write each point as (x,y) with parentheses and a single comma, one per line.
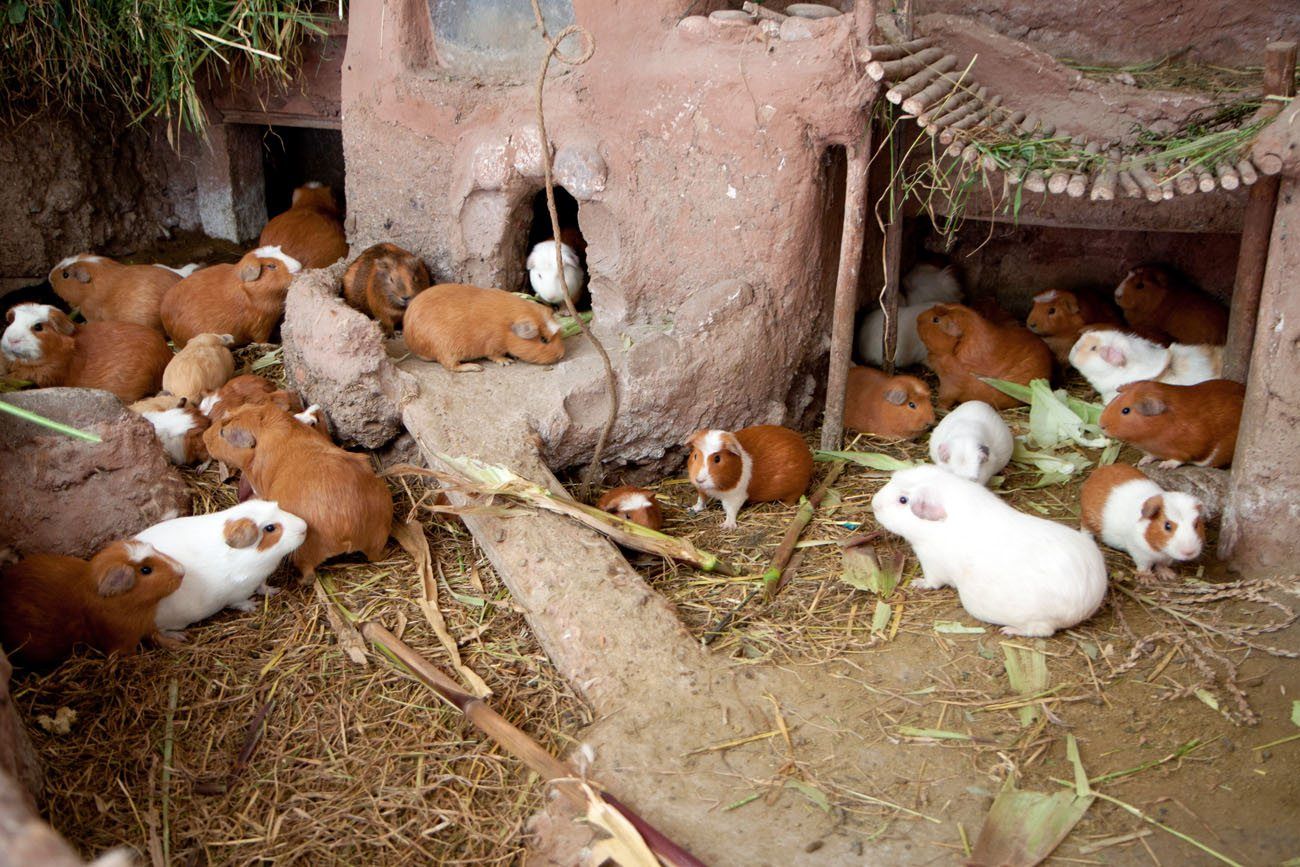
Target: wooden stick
(895,70)
(1077,183)
(1103,184)
(933,93)
(1247,172)
(1148,186)
(970,120)
(1227,175)
(920,81)
(892,296)
(970,153)
(941,108)
(517,743)
(1185,181)
(1034,182)
(1130,186)
(1205,181)
(1162,172)
(971,103)
(896,51)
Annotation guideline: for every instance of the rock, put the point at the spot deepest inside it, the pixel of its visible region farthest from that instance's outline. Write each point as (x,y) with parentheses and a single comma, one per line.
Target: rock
(731,18)
(812,10)
(1207,483)
(335,356)
(62,495)
(17,758)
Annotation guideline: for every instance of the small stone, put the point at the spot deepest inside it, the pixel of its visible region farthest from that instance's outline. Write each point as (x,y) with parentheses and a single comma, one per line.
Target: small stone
(812,10)
(580,170)
(528,152)
(695,25)
(491,165)
(731,18)
(796,29)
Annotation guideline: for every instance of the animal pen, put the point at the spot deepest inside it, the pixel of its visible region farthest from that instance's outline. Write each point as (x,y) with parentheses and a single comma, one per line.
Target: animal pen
(522,678)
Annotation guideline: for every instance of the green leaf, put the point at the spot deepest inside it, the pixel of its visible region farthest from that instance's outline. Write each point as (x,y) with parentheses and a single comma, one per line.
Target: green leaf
(1207,697)
(880,619)
(871,460)
(812,793)
(17,12)
(1011,389)
(935,734)
(1295,712)
(952,627)
(863,571)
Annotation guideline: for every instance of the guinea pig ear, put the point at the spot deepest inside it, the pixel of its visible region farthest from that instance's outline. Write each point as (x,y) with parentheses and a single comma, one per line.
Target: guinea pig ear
(949,326)
(117,580)
(945,451)
(1070,303)
(525,328)
(984,454)
(62,324)
(250,271)
(238,437)
(79,273)
(1113,355)
(926,506)
(9,316)
(896,396)
(1151,507)
(694,439)
(241,533)
(1151,406)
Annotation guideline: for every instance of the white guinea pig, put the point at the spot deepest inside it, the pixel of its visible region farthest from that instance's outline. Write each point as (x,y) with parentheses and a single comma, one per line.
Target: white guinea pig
(930,284)
(909,351)
(227,557)
(972,442)
(1109,358)
(545,280)
(1135,515)
(1027,574)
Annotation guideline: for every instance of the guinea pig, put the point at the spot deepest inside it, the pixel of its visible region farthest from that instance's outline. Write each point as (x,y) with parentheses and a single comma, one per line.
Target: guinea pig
(244,389)
(50,604)
(1133,514)
(346,506)
(180,430)
(964,346)
(244,300)
(1059,317)
(105,290)
(1027,574)
(42,345)
(545,279)
(452,323)
(930,284)
(1152,298)
(1109,359)
(757,464)
(158,403)
(972,442)
(203,366)
(633,504)
(227,555)
(382,281)
(909,349)
(310,230)
(890,406)
(1178,424)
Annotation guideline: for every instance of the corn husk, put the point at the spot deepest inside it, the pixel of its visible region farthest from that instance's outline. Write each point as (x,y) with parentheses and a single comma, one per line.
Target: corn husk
(1055,467)
(1054,416)
(1027,671)
(870,460)
(863,569)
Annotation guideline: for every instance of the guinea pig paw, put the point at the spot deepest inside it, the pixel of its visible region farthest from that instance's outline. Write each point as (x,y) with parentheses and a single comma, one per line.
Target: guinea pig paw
(1169,464)
(172,639)
(467,368)
(729,524)
(1165,572)
(246,605)
(267,590)
(502,360)
(1146,459)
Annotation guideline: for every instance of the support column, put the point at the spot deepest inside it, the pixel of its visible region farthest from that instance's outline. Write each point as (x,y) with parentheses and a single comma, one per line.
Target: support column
(231,188)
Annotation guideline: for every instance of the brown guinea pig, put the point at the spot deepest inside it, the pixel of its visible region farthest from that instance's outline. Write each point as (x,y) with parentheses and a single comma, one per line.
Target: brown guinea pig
(49,603)
(630,503)
(757,464)
(1059,317)
(890,406)
(346,506)
(244,389)
(964,346)
(382,281)
(244,300)
(452,323)
(105,290)
(1178,424)
(1152,299)
(202,367)
(43,346)
(310,230)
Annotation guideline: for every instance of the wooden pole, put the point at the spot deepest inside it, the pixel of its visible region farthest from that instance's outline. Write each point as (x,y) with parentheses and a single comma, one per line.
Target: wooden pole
(1257,226)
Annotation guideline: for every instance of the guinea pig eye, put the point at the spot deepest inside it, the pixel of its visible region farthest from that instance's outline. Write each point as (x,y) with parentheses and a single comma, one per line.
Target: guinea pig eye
(911,404)
(271,266)
(1169,528)
(1125,410)
(146,570)
(38,327)
(717,458)
(902,501)
(1051,311)
(935,320)
(65,275)
(269,528)
(545,339)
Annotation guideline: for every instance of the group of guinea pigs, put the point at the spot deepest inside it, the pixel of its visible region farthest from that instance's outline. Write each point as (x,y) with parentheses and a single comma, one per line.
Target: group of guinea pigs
(304,497)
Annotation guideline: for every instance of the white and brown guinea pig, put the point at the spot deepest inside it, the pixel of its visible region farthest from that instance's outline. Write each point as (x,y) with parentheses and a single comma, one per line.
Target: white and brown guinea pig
(1059,317)
(202,367)
(1178,424)
(245,389)
(637,505)
(180,430)
(105,290)
(1133,514)
(244,300)
(43,346)
(310,230)
(452,323)
(757,464)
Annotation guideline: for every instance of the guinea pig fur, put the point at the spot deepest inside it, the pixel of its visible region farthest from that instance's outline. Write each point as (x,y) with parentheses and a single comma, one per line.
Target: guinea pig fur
(245,389)
(1109,359)
(1133,514)
(1178,424)
(310,230)
(180,430)
(1153,298)
(1027,574)
(202,367)
(43,346)
(244,300)
(545,279)
(105,290)
(964,346)
(908,351)
(633,504)
(382,281)
(757,464)
(890,406)
(972,442)
(227,555)
(1059,317)
(452,323)
(346,506)
(930,284)
(50,604)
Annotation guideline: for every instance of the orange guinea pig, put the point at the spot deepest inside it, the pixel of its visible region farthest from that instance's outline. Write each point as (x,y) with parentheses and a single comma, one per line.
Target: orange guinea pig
(1059,317)
(382,281)
(49,603)
(244,300)
(1178,424)
(1152,299)
(42,345)
(891,406)
(310,230)
(452,323)
(964,346)
(244,389)
(105,290)
(637,505)
(757,464)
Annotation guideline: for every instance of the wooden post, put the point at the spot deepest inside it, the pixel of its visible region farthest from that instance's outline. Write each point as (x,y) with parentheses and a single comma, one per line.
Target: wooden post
(1279,79)
(858,154)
